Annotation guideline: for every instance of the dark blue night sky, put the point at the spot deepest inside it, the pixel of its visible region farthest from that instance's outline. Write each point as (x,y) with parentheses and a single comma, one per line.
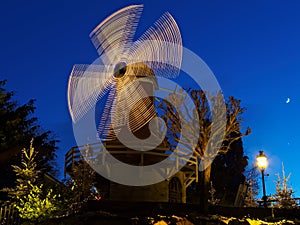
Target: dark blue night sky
(253,48)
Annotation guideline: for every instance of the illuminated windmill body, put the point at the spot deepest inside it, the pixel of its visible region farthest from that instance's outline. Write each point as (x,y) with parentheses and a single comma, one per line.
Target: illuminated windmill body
(141,110)
(126,78)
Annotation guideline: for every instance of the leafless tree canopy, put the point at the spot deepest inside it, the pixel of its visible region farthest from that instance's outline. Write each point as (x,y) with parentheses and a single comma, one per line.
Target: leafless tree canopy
(207,115)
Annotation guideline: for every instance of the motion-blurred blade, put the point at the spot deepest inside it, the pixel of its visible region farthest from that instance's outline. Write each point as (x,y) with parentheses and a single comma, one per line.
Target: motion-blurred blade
(160,47)
(106,115)
(87,84)
(116,33)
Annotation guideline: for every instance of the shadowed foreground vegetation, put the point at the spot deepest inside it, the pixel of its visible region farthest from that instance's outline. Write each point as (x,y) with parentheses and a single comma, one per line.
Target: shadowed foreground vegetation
(106,218)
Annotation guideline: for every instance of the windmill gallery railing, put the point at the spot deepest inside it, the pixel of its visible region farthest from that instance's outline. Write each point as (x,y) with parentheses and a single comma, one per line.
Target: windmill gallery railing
(142,158)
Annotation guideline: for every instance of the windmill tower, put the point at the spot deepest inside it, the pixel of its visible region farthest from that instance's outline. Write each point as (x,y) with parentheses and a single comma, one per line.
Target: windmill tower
(124,85)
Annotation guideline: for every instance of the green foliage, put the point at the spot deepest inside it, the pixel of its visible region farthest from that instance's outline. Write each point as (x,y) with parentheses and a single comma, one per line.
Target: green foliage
(26,174)
(34,206)
(30,198)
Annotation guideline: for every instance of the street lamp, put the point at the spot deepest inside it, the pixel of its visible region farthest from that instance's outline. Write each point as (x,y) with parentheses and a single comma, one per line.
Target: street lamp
(262,163)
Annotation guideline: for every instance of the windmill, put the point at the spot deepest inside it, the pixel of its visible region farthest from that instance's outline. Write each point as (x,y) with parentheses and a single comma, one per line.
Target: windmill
(122,82)
(125,74)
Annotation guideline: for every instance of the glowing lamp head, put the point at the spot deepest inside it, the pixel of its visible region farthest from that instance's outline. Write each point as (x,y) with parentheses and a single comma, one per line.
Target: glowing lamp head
(261,161)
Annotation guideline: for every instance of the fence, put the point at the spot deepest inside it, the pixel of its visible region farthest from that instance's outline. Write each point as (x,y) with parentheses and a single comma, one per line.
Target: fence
(144,158)
(271,203)
(9,215)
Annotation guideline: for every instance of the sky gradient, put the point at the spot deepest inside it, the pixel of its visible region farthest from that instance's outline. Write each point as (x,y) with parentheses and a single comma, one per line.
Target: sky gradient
(251,46)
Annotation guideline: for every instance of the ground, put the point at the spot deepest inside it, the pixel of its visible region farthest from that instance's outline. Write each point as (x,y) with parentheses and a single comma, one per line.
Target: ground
(105,218)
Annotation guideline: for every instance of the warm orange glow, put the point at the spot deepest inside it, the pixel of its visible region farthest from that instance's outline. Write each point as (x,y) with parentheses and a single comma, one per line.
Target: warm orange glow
(261,161)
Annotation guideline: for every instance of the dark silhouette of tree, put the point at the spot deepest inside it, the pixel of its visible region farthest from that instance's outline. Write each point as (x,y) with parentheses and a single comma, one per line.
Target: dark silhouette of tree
(211,133)
(228,172)
(18,127)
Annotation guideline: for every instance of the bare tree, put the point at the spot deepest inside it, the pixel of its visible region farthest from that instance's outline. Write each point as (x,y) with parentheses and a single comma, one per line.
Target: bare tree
(284,194)
(252,187)
(212,131)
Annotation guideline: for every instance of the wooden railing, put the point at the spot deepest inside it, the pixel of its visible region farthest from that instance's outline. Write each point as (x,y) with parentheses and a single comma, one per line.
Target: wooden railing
(272,202)
(9,215)
(95,150)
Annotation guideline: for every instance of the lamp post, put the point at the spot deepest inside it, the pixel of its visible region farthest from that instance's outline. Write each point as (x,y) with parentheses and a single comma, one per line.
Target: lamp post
(262,163)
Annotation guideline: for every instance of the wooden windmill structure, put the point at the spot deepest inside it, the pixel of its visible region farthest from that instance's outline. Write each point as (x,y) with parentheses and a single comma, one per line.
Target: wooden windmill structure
(127,79)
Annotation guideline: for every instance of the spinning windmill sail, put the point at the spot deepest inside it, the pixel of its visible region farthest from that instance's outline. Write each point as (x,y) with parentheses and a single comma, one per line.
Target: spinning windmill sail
(125,74)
